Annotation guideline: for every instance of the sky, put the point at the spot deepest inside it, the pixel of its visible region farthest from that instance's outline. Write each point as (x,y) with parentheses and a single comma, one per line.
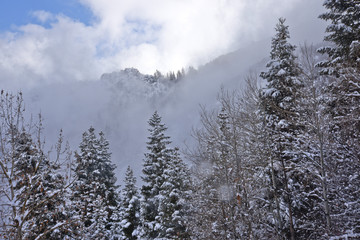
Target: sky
(66,40)
(21,12)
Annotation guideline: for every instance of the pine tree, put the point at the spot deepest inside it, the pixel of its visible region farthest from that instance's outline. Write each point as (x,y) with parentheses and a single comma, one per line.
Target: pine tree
(344,32)
(160,213)
(153,169)
(107,177)
(342,104)
(32,169)
(130,207)
(344,70)
(279,105)
(94,192)
(174,198)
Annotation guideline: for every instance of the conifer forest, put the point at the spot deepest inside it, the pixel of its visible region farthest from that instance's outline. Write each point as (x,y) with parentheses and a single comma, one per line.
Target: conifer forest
(278,158)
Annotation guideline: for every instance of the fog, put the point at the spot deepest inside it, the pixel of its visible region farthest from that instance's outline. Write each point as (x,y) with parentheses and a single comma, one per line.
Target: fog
(61,78)
(120,105)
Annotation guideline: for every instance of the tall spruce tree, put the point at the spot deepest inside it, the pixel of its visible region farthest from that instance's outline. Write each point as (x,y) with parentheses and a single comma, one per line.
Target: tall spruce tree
(153,169)
(174,198)
(343,74)
(344,32)
(94,197)
(107,177)
(130,207)
(281,118)
(343,68)
(160,213)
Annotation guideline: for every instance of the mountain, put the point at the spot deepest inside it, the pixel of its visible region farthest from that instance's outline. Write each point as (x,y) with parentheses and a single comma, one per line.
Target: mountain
(121,102)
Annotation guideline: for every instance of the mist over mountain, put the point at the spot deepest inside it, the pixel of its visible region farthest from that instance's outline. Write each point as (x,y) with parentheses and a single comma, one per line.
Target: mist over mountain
(74,86)
(120,103)
(75,73)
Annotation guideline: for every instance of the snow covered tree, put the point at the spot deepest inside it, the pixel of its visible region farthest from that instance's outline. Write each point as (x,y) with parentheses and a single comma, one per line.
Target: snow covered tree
(215,198)
(344,32)
(130,207)
(153,169)
(107,177)
(281,117)
(344,70)
(160,213)
(316,146)
(31,186)
(94,196)
(342,104)
(12,121)
(40,192)
(253,150)
(174,198)
(228,184)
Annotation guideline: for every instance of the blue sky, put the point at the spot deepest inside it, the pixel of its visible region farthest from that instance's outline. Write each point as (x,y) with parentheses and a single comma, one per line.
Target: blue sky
(19,12)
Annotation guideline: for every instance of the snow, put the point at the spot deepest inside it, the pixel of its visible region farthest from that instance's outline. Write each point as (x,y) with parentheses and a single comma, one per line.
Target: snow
(347,236)
(281,72)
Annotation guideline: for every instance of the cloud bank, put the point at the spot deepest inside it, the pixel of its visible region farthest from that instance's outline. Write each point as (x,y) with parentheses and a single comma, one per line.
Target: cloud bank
(145,34)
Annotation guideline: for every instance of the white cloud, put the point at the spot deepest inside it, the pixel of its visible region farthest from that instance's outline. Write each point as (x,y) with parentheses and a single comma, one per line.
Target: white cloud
(146,34)
(43,16)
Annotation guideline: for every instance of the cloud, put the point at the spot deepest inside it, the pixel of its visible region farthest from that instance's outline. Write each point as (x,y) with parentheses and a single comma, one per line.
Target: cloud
(63,52)
(146,34)
(185,32)
(43,16)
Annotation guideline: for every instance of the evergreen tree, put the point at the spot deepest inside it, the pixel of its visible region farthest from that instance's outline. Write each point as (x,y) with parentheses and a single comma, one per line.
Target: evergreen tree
(174,198)
(342,104)
(160,213)
(344,32)
(130,207)
(94,191)
(343,68)
(153,169)
(38,191)
(279,101)
(107,177)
